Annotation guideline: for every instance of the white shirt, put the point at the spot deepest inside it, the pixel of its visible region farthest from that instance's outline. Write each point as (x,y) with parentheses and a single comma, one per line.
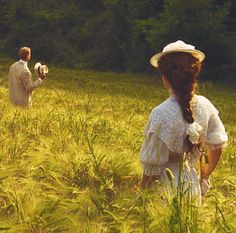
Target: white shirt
(165,131)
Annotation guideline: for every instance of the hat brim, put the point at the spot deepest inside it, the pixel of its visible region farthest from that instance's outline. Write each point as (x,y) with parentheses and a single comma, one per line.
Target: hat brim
(196,53)
(36,68)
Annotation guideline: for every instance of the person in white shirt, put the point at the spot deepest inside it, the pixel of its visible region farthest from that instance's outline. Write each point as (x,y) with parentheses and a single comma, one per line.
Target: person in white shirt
(20,80)
(179,127)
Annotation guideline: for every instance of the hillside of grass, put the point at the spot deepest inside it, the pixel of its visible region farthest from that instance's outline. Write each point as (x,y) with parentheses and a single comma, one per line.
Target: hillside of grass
(71,162)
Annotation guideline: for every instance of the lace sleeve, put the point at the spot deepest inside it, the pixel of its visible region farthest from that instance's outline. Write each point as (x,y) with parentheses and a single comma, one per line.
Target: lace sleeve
(154,150)
(153,123)
(216,135)
(154,154)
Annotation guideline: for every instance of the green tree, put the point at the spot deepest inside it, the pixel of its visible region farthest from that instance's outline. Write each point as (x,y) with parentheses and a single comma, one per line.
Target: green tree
(196,22)
(119,34)
(139,49)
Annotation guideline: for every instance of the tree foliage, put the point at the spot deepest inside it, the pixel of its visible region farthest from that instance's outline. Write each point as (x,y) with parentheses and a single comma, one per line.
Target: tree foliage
(118,34)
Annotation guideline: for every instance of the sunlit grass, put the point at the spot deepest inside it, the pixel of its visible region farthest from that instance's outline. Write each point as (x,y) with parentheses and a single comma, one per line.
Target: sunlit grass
(71,163)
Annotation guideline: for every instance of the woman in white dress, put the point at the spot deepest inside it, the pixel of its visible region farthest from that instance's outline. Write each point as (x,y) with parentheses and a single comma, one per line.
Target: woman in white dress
(179,127)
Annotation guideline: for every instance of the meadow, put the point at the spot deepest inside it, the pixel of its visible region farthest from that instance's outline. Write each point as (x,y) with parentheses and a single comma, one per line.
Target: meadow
(71,163)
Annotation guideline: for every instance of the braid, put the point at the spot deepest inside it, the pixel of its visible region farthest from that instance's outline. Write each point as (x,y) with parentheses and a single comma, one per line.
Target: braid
(182,70)
(184,97)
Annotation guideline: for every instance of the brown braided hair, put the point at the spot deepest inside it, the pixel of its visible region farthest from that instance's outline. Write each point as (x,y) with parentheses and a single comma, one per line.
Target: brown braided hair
(182,71)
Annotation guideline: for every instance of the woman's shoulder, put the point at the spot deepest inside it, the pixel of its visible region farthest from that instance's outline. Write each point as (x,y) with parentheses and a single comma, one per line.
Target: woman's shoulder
(202,98)
(168,110)
(168,104)
(205,103)
(167,120)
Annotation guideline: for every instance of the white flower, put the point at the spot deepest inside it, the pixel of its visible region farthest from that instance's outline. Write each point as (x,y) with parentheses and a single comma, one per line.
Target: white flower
(193,131)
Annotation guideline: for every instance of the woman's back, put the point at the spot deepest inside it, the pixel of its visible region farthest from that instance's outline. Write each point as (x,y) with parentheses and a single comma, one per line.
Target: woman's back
(167,121)
(182,124)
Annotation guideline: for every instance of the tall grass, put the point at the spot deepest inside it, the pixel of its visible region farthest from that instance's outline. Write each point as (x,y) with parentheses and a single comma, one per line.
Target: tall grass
(71,163)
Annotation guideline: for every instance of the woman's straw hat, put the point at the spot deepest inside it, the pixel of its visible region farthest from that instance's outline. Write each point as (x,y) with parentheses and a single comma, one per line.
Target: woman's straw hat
(178,46)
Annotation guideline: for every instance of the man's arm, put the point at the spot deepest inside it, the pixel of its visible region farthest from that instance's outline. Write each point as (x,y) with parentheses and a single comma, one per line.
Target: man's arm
(27,82)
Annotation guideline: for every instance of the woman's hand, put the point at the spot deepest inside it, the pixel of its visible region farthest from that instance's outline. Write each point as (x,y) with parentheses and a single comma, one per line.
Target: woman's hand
(205,186)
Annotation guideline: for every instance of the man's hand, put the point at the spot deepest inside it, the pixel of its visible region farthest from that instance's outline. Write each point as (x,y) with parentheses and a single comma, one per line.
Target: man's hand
(42,76)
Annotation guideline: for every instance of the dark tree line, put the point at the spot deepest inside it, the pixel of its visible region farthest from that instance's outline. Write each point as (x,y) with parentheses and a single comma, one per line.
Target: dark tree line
(119,34)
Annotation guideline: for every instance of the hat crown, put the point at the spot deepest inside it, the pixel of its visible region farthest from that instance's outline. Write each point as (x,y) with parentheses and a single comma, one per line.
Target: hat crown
(44,69)
(179,44)
(40,69)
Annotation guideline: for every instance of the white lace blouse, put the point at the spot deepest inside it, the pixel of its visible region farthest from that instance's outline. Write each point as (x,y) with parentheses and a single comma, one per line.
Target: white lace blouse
(165,131)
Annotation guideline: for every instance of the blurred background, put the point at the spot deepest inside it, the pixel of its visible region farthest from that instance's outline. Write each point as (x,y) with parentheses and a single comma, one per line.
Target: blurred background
(119,35)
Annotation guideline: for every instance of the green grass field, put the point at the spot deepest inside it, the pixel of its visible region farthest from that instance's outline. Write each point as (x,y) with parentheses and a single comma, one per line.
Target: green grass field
(71,163)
